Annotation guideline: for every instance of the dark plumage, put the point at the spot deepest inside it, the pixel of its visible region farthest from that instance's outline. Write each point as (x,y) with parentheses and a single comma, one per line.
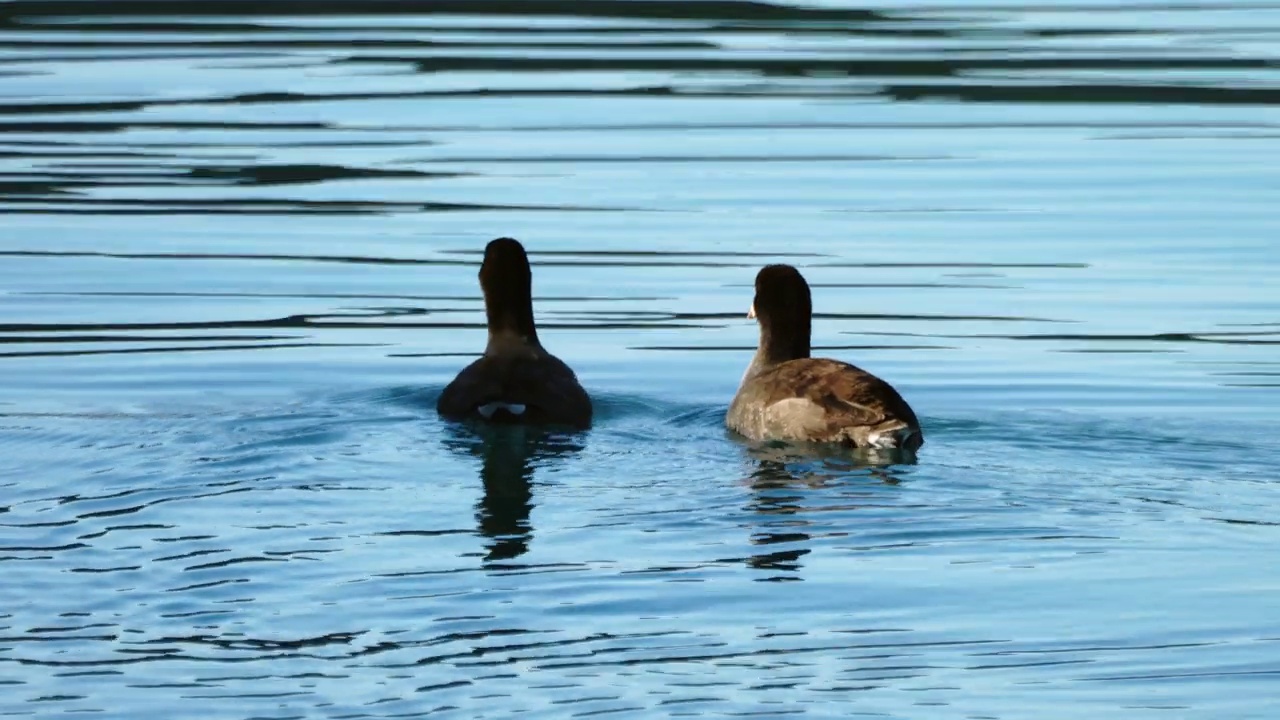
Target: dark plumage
(787,395)
(517,380)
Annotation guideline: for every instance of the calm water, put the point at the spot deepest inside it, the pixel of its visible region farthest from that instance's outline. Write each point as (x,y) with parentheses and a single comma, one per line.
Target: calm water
(239,252)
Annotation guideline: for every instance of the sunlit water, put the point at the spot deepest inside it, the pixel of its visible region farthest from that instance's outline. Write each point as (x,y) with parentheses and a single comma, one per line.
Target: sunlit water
(238,264)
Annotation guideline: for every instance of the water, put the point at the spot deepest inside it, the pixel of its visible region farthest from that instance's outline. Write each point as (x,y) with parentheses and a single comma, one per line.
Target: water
(239,251)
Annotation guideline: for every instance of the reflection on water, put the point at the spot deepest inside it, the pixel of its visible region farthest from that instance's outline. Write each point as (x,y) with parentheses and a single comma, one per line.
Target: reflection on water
(509,456)
(1051,225)
(790,483)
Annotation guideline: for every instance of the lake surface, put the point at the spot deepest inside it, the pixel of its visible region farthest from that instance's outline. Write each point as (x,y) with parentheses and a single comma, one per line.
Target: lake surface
(238,254)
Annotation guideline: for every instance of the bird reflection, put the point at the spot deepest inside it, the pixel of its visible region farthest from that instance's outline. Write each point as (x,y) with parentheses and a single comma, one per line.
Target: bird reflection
(509,455)
(783,482)
(831,459)
(775,498)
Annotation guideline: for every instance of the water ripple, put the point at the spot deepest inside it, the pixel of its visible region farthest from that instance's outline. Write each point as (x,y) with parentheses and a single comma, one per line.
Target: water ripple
(239,267)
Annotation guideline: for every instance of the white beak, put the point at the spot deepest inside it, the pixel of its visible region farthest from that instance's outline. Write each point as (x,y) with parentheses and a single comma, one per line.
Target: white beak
(751,314)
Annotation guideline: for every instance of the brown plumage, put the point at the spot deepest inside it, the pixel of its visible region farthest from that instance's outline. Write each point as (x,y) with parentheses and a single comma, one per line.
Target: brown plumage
(787,395)
(516,380)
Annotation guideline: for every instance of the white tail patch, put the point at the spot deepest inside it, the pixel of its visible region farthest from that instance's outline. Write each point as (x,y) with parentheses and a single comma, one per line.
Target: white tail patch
(883,441)
(488,409)
(890,439)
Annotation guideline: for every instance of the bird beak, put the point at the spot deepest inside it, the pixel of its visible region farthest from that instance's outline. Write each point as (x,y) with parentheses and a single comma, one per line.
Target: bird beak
(751,314)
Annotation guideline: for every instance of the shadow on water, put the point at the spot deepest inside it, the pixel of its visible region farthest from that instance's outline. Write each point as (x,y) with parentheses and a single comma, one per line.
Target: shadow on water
(510,454)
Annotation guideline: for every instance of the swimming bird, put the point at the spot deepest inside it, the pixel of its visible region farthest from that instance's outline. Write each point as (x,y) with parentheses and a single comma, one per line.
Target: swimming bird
(787,395)
(516,380)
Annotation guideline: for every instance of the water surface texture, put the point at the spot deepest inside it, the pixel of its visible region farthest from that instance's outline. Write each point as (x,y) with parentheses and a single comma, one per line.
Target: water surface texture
(238,254)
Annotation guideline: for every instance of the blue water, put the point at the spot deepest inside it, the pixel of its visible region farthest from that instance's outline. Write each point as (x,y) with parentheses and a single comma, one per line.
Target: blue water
(238,254)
